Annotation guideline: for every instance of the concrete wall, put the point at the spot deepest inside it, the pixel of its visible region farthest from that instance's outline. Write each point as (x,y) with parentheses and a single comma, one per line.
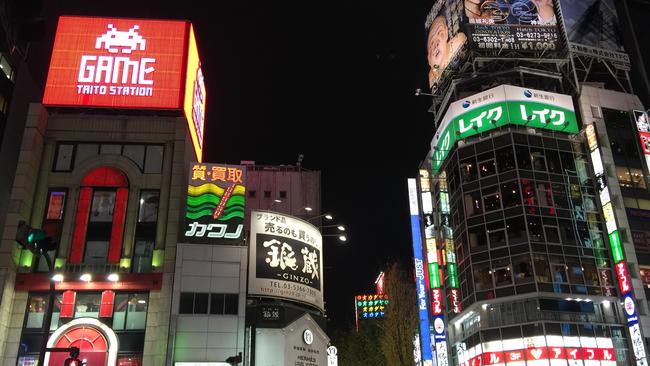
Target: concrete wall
(209,269)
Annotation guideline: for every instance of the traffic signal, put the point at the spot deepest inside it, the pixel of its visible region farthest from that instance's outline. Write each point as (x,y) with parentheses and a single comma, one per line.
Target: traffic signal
(35,240)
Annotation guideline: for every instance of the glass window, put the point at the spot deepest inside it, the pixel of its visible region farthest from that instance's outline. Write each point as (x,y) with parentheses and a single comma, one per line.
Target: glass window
(36,308)
(568,163)
(55,205)
(473,204)
(510,194)
(567,232)
(487,168)
(516,229)
(502,276)
(142,256)
(136,316)
(575,271)
(539,160)
(559,272)
(148,211)
(553,161)
(153,159)
(559,195)
(283,194)
(64,156)
(87,305)
(201,303)
(6,67)
(482,276)
(505,159)
(251,194)
(102,206)
(267,194)
(231,304)
(217,304)
(638,180)
(186,305)
(135,153)
(491,199)
(497,238)
(523,157)
(468,171)
(119,311)
(535,229)
(542,272)
(552,234)
(528,191)
(85,151)
(522,269)
(477,237)
(544,194)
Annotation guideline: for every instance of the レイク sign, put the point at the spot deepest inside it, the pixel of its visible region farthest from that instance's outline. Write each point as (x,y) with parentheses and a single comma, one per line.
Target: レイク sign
(496,107)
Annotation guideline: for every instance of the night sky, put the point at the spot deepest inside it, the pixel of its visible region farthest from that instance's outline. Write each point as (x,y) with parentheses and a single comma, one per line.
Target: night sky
(333,81)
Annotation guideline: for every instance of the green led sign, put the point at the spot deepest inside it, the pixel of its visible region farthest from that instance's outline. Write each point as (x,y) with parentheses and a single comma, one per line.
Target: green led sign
(500,106)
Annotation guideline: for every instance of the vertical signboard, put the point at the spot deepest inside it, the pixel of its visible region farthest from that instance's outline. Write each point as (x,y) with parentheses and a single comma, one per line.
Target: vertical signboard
(285,259)
(642,123)
(620,265)
(522,26)
(423,309)
(592,28)
(445,40)
(214,212)
(195,96)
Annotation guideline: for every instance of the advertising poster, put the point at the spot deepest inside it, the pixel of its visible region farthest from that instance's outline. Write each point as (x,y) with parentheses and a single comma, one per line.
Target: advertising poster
(445,40)
(592,27)
(214,212)
(499,106)
(285,258)
(512,25)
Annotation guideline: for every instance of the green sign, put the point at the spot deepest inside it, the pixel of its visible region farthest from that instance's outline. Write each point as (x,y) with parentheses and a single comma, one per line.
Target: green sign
(615,243)
(500,106)
(434,279)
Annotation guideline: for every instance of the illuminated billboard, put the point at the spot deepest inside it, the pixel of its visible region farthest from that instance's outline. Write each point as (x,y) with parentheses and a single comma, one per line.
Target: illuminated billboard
(121,63)
(503,26)
(285,258)
(214,212)
(195,96)
(500,106)
(371,306)
(445,40)
(592,28)
(642,123)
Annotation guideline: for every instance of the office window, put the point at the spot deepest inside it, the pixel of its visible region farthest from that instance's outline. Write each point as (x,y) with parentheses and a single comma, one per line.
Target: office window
(87,305)
(252,193)
(224,304)
(110,149)
(510,194)
(148,209)
(213,304)
(522,269)
(84,152)
(153,159)
(505,159)
(63,160)
(135,153)
(36,308)
(267,194)
(130,311)
(283,194)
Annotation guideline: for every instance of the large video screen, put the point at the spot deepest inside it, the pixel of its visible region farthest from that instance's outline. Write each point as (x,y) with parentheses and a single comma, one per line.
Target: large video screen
(503,26)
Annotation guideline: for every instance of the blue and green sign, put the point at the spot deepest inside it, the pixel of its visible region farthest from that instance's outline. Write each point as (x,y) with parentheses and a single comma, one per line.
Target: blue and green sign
(498,107)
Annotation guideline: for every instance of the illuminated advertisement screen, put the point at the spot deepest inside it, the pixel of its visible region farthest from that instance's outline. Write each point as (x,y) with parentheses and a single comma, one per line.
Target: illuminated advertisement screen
(500,106)
(503,26)
(117,63)
(195,97)
(445,40)
(371,306)
(592,27)
(285,259)
(214,212)
(421,288)
(642,122)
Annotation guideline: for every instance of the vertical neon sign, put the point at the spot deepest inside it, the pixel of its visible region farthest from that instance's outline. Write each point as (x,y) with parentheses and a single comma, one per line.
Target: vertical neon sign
(620,266)
(423,309)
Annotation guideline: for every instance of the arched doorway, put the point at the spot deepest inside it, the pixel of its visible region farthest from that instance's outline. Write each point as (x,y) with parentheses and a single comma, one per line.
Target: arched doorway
(97,343)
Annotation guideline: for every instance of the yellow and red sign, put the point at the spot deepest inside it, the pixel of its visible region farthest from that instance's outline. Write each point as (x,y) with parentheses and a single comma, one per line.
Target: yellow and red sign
(128,64)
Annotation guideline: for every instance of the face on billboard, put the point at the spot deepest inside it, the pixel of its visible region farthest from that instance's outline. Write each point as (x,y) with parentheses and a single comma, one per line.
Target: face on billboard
(117,63)
(513,25)
(215,204)
(443,43)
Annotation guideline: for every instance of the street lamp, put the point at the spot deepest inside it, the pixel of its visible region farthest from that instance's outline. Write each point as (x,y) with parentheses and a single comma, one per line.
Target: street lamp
(327,216)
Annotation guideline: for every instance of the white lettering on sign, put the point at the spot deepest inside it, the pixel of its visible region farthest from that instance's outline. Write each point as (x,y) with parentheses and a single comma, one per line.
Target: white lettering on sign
(117,75)
(213,230)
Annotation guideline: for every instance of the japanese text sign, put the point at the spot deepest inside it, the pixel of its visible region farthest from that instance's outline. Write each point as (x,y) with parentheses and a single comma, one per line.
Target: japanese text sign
(285,259)
(214,212)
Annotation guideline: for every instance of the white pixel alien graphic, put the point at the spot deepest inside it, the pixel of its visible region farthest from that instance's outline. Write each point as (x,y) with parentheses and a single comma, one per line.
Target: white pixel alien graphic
(120,41)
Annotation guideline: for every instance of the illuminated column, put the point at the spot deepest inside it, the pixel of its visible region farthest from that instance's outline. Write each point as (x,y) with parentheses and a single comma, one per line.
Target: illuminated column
(423,308)
(620,266)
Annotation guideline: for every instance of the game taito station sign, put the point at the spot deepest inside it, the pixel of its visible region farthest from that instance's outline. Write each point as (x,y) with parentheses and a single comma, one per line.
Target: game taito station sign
(498,107)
